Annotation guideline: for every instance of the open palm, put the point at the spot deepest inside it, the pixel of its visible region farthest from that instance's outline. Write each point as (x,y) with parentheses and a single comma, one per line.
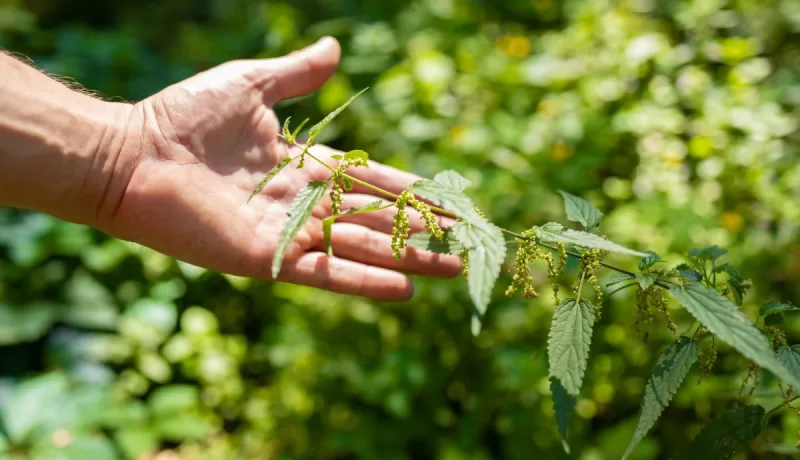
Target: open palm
(208,141)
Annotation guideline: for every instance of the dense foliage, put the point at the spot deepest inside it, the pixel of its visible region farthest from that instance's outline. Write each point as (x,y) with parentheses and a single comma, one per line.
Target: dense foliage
(679,120)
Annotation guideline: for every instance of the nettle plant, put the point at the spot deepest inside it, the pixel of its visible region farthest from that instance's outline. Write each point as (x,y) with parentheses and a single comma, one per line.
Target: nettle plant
(709,290)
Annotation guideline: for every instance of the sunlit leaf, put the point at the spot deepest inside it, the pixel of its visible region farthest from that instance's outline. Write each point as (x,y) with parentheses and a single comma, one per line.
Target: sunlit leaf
(270,175)
(790,358)
(724,320)
(776,307)
(428,242)
(580,210)
(453,180)
(303,204)
(30,404)
(569,341)
(555,233)
(316,129)
(486,251)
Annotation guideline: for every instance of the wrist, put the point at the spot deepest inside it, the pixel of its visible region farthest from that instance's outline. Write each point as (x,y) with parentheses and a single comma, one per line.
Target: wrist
(61,152)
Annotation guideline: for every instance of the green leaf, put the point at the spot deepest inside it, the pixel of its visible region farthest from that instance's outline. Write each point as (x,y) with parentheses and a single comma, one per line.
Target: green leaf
(427,242)
(327,223)
(285,132)
(776,307)
(25,324)
(297,130)
(671,369)
(649,260)
(327,229)
(453,180)
(724,320)
(270,175)
(30,403)
(356,154)
(446,196)
(645,280)
(555,233)
(726,435)
(580,210)
(709,253)
(3,444)
(619,278)
(790,358)
(301,209)
(316,129)
(563,404)
(486,251)
(569,341)
(688,273)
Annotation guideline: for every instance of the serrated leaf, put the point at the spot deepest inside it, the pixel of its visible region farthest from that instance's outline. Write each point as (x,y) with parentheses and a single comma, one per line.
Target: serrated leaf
(563,405)
(581,211)
(447,197)
(709,253)
(555,233)
(316,129)
(303,204)
(776,307)
(649,260)
(726,435)
(486,251)
(645,280)
(720,316)
(619,278)
(297,130)
(452,180)
(270,175)
(688,273)
(569,341)
(285,132)
(356,154)
(427,242)
(671,369)
(790,358)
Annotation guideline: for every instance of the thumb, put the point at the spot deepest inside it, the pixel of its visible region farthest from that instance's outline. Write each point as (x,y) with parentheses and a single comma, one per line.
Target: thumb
(300,72)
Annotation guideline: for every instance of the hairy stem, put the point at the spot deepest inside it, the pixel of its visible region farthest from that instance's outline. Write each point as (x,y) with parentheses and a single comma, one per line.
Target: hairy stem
(781,405)
(447,213)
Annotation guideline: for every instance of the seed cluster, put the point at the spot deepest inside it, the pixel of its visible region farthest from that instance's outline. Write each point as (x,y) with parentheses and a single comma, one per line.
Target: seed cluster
(590,262)
(528,251)
(708,357)
(341,182)
(649,302)
(400,229)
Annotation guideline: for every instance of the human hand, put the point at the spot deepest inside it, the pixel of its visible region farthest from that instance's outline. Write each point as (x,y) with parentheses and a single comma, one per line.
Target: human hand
(202,145)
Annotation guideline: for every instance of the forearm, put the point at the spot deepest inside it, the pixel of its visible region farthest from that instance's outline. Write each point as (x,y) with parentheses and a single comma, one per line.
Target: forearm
(61,152)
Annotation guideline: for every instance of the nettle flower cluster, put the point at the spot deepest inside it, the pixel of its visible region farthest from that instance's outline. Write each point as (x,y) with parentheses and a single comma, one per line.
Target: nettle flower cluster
(709,290)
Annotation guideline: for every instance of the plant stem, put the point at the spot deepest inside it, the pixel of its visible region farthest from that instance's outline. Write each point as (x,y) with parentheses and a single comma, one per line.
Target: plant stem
(447,213)
(620,289)
(781,406)
(580,287)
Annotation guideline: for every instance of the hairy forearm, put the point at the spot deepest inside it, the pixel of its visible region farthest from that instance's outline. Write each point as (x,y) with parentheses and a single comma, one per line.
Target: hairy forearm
(61,151)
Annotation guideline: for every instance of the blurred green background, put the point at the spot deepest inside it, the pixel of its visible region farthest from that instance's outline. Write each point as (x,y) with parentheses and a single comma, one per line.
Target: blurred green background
(679,119)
